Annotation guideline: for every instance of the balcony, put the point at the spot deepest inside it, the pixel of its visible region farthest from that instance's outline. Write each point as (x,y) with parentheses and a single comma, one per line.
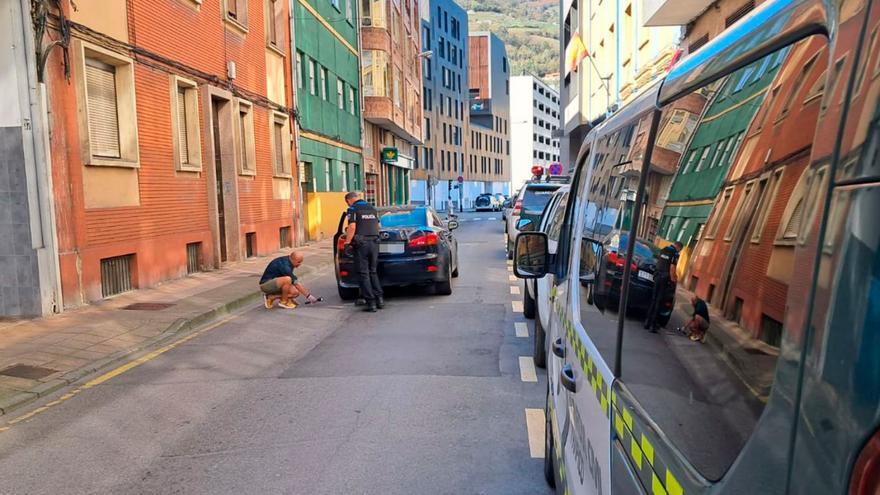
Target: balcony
(480,106)
(673,12)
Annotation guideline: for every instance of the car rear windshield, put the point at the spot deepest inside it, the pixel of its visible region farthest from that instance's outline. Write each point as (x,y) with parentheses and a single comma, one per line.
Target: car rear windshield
(536,198)
(641,252)
(403,218)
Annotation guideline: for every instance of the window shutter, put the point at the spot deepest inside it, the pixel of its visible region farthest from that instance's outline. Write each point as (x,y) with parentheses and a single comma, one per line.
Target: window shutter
(794,222)
(279,150)
(182,137)
(103,118)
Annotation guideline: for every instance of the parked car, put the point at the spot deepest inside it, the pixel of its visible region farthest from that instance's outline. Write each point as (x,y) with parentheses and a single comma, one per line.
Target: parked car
(536,300)
(487,202)
(527,210)
(608,275)
(416,247)
(501,199)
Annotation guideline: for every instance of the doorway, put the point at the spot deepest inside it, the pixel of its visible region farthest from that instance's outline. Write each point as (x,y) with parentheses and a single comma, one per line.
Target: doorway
(223,177)
(216,103)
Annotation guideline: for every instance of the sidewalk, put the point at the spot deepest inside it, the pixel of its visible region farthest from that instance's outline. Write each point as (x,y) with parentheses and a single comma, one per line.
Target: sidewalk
(752,360)
(39,356)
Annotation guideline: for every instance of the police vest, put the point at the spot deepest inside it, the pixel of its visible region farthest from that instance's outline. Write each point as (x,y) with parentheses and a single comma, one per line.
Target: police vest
(668,256)
(365,218)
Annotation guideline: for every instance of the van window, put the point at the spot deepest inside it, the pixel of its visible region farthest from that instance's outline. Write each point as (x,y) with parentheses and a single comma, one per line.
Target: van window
(705,382)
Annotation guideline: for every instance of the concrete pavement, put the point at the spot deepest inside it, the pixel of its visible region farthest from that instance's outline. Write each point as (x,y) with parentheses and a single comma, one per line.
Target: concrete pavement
(48,354)
(426,396)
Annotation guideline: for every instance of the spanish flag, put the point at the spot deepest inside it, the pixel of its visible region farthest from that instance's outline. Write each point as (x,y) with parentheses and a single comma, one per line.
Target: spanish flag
(575,53)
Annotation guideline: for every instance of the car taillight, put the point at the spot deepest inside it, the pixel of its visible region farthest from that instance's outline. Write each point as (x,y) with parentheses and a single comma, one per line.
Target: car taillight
(424,240)
(517,207)
(343,273)
(865,479)
(340,244)
(619,261)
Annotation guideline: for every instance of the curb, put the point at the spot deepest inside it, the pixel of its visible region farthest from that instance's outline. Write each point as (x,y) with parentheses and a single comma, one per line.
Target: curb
(175,331)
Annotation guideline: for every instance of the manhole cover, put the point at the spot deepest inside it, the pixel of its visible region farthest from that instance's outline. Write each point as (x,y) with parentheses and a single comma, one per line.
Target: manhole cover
(28,372)
(148,306)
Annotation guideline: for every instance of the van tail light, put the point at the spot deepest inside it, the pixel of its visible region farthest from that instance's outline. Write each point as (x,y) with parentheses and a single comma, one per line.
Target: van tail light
(517,208)
(865,479)
(424,240)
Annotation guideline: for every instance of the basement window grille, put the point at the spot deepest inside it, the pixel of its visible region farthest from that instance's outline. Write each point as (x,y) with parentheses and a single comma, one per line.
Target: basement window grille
(250,240)
(771,331)
(193,250)
(116,275)
(284,237)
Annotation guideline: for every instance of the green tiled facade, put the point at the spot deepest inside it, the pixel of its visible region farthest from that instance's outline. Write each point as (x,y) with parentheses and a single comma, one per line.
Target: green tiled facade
(320,51)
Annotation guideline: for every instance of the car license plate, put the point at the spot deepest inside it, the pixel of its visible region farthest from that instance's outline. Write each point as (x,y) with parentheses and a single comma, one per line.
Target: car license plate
(391,248)
(645,275)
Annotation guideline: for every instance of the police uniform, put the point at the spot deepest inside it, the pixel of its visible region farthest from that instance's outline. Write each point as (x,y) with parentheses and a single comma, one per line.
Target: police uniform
(366,249)
(667,258)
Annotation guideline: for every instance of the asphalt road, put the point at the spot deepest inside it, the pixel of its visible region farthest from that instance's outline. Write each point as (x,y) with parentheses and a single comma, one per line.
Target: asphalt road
(427,396)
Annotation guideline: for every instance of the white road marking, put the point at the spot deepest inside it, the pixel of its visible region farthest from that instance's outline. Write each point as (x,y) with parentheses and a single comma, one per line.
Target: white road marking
(492,219)
(510,263)
(514,289)
(510,269)
(522,329)
(511,278)
(516,306)
(535,423)
(527,369)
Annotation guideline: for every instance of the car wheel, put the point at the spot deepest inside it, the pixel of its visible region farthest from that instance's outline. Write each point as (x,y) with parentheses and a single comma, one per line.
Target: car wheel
(599,301)
(539,354)
(444,288)
(528,304)
(509,250)
(455,272)
(347,293)
(549,449)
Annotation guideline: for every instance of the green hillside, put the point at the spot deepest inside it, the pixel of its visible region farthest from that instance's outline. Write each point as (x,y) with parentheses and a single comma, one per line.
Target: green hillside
(529,28)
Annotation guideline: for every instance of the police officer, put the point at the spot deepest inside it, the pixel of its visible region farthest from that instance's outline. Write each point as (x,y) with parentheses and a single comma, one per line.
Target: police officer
(363,235)
(665,278)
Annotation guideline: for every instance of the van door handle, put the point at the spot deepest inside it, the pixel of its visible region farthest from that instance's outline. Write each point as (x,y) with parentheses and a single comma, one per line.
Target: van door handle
(558,348)
(566,376)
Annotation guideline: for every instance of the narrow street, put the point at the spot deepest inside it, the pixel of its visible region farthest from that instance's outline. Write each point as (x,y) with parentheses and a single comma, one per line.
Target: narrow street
(426,396)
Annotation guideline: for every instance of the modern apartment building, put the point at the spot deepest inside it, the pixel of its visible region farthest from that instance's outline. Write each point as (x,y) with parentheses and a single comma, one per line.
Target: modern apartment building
(392,87)
(328,97)
(440,161)
(488,166)
(533,118)
(622,55)
(171,149)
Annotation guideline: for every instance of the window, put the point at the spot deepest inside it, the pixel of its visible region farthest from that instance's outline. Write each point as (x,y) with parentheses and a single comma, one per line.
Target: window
(398,78)
(185,124)
(280,140)
(246,147)
(765,206)
(374,67)
(300,76)
(325,84)
(335,4)
(743,208)
(313,85)
(275,19)
(236,14)
(703,157)
(717,212)
(795,89)
(352,101)
(348,11)
(747,74)
(340,94)
(105,89)
(372,13)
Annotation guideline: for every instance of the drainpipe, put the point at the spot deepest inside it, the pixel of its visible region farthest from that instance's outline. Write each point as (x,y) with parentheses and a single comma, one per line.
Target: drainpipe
(300,228)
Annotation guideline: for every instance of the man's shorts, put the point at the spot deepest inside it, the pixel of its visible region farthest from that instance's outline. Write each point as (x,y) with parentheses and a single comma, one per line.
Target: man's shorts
(702,324)
(270,287)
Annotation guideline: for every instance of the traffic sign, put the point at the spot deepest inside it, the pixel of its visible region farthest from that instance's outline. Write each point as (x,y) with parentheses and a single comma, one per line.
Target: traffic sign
(460,179)
(555,168)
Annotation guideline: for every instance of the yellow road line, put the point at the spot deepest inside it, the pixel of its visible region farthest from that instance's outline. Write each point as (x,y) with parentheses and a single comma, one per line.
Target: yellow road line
(514,289)
(114,373)
(535,425)
(522,329)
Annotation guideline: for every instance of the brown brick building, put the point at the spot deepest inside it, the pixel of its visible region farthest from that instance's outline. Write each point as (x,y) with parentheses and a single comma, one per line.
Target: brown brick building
(170,141)
(392,89)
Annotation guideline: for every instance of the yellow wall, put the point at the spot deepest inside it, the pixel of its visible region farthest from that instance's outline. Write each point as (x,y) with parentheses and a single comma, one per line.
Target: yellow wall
(324,211)
(109,17)
(275,77)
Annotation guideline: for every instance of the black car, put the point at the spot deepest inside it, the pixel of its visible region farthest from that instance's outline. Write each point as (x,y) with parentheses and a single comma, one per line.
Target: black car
(609,275)
(415,248)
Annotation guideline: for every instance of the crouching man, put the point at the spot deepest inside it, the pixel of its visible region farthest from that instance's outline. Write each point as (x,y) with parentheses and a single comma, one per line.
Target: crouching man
(279,283)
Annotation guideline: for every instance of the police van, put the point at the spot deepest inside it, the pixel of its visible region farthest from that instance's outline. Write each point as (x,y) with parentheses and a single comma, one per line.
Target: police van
(760,154)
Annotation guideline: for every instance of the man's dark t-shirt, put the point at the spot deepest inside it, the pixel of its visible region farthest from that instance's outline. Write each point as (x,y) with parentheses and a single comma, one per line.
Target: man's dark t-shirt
(668,256)
(701,309)
(279,267)
(365,217)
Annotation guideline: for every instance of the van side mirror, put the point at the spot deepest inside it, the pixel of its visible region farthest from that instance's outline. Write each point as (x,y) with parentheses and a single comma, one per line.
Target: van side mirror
(452,224)
(531,255)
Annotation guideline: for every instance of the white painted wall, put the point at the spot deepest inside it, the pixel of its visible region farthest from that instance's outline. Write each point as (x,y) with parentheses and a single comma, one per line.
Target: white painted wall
(527,104)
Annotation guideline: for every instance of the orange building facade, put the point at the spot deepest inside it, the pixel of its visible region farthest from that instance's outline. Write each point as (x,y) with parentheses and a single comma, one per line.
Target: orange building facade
(170,140)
